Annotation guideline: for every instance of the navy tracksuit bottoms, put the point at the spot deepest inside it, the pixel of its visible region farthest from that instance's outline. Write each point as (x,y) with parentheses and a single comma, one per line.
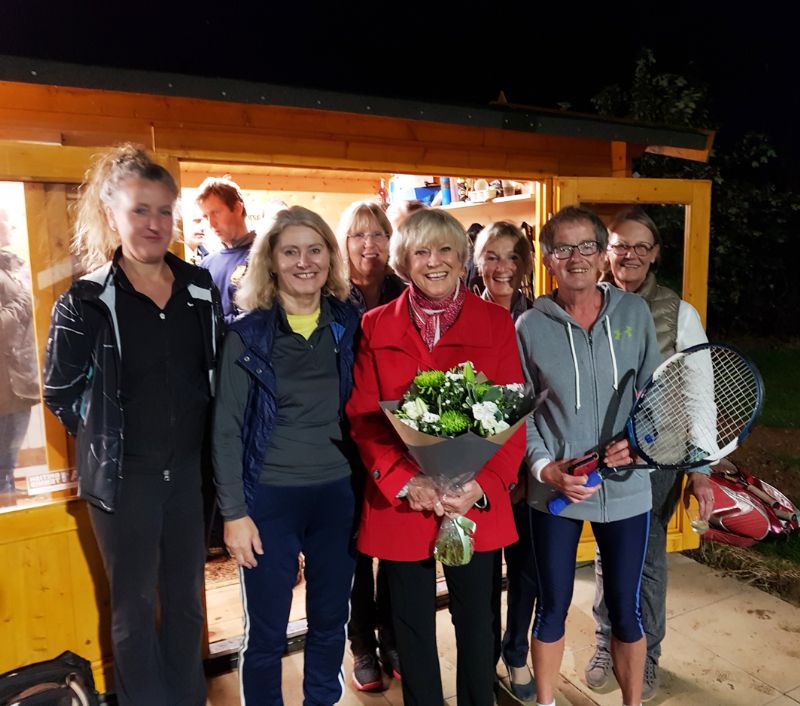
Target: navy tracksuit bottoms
(317,520)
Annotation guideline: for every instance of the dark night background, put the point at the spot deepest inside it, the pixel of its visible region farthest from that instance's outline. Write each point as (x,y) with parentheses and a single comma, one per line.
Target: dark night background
(458,52)
(557,56)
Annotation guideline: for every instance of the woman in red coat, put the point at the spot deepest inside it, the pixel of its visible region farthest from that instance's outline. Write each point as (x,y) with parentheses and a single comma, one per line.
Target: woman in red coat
(435,324)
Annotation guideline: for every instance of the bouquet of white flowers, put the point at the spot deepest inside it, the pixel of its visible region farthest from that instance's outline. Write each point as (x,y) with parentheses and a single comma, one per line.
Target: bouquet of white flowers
(459,400)
(453,422)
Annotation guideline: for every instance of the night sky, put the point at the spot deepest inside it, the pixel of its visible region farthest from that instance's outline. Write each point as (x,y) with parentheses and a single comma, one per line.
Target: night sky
(455,52)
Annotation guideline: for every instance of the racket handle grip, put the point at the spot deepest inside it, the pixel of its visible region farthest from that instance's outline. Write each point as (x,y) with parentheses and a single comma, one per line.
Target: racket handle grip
(558,504)
(593,479)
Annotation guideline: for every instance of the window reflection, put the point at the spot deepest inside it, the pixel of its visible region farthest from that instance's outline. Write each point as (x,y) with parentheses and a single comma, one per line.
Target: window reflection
(25,475)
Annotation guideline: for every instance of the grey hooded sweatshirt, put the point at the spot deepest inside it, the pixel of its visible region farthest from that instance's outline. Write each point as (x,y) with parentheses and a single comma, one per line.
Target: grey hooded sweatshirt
(592,378)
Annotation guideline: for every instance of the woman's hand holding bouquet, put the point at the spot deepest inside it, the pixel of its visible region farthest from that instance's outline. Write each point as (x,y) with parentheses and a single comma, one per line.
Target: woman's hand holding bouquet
(452,423)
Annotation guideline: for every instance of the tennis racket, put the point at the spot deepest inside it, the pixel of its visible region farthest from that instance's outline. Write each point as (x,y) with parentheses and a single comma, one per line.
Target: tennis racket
(696,408)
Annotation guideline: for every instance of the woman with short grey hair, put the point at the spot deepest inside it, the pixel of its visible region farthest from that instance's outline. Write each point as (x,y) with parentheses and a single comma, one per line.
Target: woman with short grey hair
(591,346)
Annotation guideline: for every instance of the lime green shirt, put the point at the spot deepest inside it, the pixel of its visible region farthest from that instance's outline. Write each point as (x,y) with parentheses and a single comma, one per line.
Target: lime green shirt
(304,324)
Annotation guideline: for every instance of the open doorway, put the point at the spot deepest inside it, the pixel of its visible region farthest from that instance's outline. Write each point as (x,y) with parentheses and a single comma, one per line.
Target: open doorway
(329,192)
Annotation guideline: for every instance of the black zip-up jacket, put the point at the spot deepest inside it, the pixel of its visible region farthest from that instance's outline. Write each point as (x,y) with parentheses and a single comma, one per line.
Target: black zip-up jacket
(82,371)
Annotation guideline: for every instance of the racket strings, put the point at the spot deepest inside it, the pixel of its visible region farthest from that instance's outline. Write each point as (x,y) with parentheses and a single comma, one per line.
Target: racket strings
(698,405)
(737,395)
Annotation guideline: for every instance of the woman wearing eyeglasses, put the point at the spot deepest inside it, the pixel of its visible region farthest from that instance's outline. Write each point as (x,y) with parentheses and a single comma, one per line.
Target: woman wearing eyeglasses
(363,236)
(592,346)
(634,249)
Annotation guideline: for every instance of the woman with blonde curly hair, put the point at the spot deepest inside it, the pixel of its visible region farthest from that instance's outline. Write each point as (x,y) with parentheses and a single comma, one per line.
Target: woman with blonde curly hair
(281,457)
(129,372)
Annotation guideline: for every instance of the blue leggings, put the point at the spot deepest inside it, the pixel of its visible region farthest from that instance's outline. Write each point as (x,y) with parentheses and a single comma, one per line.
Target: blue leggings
(622,546)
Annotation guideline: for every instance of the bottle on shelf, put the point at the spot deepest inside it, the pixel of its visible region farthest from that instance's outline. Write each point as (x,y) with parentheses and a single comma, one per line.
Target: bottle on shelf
(445,188)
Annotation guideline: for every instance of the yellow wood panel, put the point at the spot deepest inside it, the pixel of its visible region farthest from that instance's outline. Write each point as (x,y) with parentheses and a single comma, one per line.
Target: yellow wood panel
(173,166)
(23,162)
(52,588)
(48,591)
(284,179)
(91,603)
(547,203)
(544,209)
(51,268)
(12,590)
(565,194)
(610,190)
(696,248)
(410,159)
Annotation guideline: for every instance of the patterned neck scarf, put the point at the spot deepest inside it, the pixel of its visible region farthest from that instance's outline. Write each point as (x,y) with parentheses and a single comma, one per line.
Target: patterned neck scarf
(434,318)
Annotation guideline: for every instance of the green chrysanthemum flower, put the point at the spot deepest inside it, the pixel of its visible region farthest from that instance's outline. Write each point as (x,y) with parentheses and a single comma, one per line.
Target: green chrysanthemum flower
(453,422)
(482,388)
(429,380)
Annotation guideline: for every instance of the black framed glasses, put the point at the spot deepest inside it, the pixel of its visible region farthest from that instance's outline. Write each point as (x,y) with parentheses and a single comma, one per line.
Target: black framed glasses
(377,237)
(585,247)
(621,249)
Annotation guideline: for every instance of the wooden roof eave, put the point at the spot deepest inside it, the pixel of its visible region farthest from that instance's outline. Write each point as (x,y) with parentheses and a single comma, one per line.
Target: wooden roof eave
(199,129)
(505,117)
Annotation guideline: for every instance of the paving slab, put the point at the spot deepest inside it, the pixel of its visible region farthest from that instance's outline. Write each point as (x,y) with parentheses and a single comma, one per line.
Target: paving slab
(727,644)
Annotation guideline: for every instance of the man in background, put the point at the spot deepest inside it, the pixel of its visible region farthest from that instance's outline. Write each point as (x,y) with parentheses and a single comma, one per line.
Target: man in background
(19,373)
(221,202)
(194,236)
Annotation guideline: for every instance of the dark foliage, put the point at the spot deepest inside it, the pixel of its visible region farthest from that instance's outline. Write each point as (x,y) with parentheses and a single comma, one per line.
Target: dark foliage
(754,216)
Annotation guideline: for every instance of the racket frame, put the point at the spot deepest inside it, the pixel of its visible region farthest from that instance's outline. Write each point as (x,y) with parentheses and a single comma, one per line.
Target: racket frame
(596,476)
(630,427)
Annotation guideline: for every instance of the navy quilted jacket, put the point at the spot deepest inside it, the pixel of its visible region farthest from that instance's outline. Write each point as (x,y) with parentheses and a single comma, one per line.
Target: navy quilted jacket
(257,331)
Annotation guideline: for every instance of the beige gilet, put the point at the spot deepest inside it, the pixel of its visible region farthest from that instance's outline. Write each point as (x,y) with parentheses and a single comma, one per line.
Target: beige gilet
(664,305)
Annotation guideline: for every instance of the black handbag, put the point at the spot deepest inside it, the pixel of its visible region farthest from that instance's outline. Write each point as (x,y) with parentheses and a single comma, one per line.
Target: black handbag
(64,681)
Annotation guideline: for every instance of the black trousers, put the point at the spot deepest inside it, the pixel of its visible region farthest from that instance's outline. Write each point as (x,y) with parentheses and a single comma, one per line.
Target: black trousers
(412,585)
(153,552)
(370,608)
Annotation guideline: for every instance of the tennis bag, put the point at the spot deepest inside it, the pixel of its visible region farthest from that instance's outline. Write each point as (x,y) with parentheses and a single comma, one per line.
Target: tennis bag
(746,509)
(64,681)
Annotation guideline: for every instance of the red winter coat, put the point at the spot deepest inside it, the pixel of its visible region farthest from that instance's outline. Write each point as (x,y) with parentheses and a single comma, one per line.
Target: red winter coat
(389,356)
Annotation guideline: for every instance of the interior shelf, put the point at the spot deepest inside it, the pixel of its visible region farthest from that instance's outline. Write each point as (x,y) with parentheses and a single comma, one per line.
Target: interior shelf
(497,200)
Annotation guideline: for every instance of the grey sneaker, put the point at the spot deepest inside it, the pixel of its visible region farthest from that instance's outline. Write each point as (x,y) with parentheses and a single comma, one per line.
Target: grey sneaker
(598,668)
(650,681)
